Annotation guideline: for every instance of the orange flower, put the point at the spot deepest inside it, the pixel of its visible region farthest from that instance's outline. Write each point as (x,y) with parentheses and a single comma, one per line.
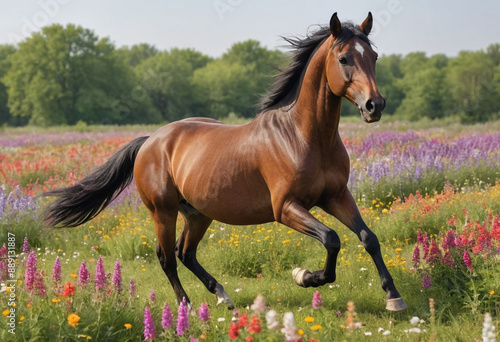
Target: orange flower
(69,290)
(254,325)
(73,319)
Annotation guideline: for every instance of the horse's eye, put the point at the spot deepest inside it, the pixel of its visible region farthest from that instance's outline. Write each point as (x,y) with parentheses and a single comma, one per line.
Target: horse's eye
(343,60)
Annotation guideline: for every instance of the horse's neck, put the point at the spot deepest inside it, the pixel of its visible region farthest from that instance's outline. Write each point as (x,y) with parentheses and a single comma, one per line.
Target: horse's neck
(317,109)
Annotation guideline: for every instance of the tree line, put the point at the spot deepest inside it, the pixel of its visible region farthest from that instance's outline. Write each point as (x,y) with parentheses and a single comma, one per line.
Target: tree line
(66,74)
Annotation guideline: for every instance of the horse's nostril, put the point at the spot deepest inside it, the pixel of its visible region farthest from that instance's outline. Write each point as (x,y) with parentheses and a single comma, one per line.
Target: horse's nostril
(370,106)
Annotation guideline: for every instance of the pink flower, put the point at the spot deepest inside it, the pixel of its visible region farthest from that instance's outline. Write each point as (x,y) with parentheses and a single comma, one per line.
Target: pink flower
(416,256)
(467,260)
(26,246)
(152,297)
(259,304)
(449,240)
(30,272)
(149,325)
(317,302)
(166,317)
(182,318)
(132,290)
(56,271)
(117,276)
(100,275)
(41,290)
(434,253)
(83,274)
(448,260)
(204,313)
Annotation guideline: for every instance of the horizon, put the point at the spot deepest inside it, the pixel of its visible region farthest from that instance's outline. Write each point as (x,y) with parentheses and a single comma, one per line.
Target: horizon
(212,27)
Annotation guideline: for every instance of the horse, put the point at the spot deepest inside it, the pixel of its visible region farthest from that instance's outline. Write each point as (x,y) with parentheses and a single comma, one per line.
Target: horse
(287,160)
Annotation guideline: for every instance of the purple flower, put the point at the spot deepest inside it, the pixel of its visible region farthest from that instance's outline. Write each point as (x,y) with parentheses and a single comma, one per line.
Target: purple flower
(416,256)
(83,274)
(449,240)
(467,260)
(434,253)
(117,276)
(4,265)
(317,302)
(56,271)
(426,281)
(149,325)
(41,290)
(30,272)
(152,296)
(203,313)
(166,317)
(182,318)
(448,259)
(132,290)
(100,275)
(26,246)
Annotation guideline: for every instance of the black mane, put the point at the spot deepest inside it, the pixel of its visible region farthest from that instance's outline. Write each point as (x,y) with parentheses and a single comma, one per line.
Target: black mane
(285,87)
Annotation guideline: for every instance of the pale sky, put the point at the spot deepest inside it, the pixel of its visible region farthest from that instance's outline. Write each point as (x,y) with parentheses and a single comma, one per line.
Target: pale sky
(212,26)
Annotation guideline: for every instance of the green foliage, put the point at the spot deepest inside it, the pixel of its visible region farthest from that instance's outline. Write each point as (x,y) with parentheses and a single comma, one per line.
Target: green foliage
(63,75)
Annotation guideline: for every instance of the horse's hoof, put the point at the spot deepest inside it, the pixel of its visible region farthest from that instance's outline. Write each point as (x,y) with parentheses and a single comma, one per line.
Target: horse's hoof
(396,304)
(222,297)
(298,276)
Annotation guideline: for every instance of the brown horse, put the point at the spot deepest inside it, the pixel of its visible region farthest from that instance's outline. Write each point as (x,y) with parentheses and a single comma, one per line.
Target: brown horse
(289,159)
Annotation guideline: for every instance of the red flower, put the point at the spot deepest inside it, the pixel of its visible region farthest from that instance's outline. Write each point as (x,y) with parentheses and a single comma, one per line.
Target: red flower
(249,339)
(254,325)
(69,290)
(234,330)
(243,320)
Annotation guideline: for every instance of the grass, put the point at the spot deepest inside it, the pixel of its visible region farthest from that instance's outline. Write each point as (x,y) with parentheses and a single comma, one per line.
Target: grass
(253,260)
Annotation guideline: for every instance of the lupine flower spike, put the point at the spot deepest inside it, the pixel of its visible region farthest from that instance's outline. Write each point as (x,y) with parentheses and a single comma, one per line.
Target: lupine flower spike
(166,317)
(149,325)
(117,276)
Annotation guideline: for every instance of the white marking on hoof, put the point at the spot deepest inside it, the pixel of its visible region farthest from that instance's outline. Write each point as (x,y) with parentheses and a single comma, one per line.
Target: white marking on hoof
(222,297)
(298,276)
(396,304)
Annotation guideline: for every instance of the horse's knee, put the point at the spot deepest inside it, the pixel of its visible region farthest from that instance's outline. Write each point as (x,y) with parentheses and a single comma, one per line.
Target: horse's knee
(370,242)
(332,242)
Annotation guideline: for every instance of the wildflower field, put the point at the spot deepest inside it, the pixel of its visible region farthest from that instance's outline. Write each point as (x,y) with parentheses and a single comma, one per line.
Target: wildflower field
(431,194)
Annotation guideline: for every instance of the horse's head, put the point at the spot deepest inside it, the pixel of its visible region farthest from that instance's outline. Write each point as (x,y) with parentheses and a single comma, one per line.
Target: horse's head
(350,68)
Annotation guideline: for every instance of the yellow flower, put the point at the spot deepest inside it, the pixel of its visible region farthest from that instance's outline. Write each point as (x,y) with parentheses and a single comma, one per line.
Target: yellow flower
(5,312)
(300,332)
(73,319)
(128,325)
(21,318)
(316,327)
(72,275)
(309,319)
(56,300)
(398,250)
(85,336)
(492,292)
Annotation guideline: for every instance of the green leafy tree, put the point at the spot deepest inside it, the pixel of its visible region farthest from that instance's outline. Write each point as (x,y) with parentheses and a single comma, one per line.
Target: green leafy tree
(66,74)
(5,115)
(136,54)
(473,94)
(388,72)
(166,78)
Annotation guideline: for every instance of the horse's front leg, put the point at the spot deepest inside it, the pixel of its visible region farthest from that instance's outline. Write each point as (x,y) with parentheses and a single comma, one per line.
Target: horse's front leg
(344,208)
(300,219)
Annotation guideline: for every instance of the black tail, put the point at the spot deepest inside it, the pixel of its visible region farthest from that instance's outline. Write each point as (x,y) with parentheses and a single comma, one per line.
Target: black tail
(83,201)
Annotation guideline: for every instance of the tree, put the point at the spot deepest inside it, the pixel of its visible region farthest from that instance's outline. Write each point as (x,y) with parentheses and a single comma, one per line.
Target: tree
(388,72)
(473,93)
(65,74)
(5,52)
(166,77)
(136,54)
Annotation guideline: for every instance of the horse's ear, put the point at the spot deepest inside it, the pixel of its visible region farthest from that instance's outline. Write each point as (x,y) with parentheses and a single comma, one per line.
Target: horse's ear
(366,26)
(335,25)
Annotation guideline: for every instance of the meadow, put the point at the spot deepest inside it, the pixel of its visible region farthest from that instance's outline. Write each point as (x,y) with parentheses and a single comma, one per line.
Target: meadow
(430,192)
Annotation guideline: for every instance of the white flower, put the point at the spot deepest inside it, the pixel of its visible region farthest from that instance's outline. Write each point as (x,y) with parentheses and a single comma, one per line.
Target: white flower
(488,329)
(368,333)
(414,320)
(387,332)
(259,304)
(221,319)
(272,319)
(415,330)
(289,328)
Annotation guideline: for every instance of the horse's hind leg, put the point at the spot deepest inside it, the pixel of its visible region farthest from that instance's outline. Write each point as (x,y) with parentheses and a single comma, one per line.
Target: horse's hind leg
(195,226)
